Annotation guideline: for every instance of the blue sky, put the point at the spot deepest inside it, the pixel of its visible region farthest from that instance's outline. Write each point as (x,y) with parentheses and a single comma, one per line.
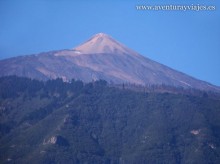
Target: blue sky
(186,41)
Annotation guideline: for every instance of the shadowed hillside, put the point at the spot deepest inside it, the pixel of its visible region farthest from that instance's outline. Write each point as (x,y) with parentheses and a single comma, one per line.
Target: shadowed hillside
(58,122)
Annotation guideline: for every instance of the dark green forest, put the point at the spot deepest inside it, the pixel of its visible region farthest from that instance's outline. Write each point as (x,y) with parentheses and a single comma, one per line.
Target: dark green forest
(73,122)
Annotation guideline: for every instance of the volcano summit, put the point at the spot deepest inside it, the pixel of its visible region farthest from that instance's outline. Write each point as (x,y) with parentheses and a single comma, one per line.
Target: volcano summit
(103,43)
(101,57)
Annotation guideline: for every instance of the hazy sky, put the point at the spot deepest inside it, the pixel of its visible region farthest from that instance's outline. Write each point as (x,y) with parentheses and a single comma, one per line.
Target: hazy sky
(188,41)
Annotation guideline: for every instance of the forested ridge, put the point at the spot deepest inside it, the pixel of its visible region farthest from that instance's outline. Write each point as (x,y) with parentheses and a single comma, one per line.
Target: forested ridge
(73,122)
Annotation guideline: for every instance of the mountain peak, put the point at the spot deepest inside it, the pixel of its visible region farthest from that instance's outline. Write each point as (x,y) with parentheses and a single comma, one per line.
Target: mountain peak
(103,43)
(101,35)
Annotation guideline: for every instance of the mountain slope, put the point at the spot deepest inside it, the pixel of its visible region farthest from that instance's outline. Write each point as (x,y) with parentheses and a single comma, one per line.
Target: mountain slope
(57,122)
(101,57)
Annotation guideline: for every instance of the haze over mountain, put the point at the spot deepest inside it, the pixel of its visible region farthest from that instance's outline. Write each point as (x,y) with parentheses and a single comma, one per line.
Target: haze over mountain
(101,57)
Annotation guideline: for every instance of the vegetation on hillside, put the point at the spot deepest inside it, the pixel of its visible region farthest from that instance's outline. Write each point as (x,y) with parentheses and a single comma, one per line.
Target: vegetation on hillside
(60,122)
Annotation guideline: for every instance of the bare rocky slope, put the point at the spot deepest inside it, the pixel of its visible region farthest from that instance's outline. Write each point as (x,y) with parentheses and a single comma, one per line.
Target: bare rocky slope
(101,57)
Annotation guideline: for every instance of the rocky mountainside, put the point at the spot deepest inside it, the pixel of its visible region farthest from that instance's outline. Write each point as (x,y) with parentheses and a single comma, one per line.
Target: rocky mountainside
(101,57)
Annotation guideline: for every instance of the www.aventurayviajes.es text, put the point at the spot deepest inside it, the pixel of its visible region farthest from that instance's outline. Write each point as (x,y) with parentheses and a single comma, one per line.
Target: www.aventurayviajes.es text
(174,7)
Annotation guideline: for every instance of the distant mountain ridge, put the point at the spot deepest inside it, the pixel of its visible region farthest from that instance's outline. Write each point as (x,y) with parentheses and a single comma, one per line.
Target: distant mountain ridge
(101,57)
